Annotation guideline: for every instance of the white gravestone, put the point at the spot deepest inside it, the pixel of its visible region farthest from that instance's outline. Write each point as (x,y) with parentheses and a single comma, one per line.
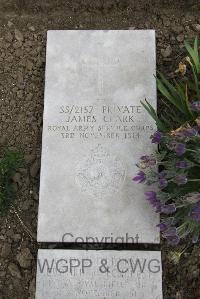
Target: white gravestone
(93,274)
(94,131)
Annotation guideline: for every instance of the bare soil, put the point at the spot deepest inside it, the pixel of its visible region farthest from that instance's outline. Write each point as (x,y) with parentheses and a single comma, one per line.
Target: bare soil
(23,28)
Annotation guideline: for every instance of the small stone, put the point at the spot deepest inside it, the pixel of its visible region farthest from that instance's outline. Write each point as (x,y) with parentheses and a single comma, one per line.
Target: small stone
(19,35)
(9,37)
(2,274)
(166,52)
(34,168)
(177,29)
(5,250)
(29,158)
(196,27)
(23,171)
(20,94)
(180,38)
(35,195)
(29,65)
(10,24)
(26,205)
(14,270)
(31,28)
(166,22)
(16,237)
(29,96)
(20,77)
(17,45)
(2,238)
(3,140)
(24,258)
(17,178)
(122,3)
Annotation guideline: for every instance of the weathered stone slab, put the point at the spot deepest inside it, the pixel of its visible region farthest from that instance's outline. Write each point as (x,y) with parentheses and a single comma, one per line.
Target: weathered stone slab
(93,274)
(95,129)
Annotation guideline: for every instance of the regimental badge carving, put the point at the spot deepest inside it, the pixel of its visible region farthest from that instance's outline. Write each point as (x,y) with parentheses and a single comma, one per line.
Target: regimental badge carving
(100,174)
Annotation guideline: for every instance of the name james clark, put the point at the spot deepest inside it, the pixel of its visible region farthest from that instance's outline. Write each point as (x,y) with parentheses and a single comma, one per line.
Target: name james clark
(110,113)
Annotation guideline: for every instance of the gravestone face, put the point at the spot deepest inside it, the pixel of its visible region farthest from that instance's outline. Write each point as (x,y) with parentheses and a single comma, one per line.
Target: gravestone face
(94,131)
(99,274)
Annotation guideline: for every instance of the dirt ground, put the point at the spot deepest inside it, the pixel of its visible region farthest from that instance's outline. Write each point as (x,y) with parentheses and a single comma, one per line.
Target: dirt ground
(23,28)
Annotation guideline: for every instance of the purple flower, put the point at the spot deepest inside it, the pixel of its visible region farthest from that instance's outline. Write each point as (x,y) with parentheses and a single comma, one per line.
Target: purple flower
(171,235)
(187,132)
(162,180)
(170,231)
(140,177)
(197,128)
(162,226)
(193,197)
(147,158)
(195,212)
(156,137)
(168,209)
(195,106)
(162,174)
(154,201)
(182,164)
(173,240)
(147,161)
(157,205)
(163,183)
(180,179)
(180,149)
(151,195)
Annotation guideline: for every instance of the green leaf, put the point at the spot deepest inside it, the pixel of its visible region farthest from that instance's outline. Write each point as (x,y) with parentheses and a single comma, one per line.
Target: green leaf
(183,95)
(172,99)
(160,125)
(196,51)
(194,54)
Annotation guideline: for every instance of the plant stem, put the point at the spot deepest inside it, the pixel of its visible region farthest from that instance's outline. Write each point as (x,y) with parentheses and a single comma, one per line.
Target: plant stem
(190,150)
(196,82)
(194,180)
(28,231)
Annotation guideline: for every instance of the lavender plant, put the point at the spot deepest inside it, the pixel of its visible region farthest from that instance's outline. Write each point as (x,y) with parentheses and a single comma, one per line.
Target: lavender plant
(173,172)
(175,169)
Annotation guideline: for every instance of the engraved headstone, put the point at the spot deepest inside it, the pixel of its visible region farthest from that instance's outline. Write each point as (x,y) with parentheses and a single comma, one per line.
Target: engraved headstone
(111,274)
(94,131)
